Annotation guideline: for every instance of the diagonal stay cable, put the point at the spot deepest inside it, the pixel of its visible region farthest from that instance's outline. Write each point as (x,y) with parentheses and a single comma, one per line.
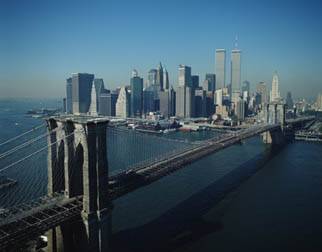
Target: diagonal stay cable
(19,147)
(23,134)
(32,154)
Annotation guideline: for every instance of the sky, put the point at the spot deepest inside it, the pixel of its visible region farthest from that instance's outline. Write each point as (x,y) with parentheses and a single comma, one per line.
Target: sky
(43,42)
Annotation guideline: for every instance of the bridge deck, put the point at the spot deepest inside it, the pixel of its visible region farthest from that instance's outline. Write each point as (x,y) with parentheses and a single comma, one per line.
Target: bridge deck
(21,223)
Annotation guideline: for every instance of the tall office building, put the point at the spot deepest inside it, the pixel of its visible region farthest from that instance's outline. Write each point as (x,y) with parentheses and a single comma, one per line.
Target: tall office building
(212,82)
(200,103)
(240,109)
(69,96)
(219,97)
(152,77)
(275,94)
(181,101)
(206,85)
(160,76)
(220,68)
(319,101)
(148,99)
(93,106)
(99,86)
(246,87)
(108,104)
(235,70)
(165,79)
(289,100)
(122,108)
(165,103)
(136,96)
(195,81)
(82,87)
(190,102)
(261,89)
(185,76)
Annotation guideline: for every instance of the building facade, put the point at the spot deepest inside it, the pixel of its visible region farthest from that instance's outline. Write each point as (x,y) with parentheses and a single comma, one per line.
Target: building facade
(81,96)
(122,108)
(261,89)
(136,96)
(220,68)
(236,70)
(108,104)
(69,96)
(185,76)
(275,93)
(212,82)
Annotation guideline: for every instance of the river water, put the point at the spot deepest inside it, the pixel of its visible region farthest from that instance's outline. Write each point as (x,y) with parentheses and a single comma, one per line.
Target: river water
(249,197)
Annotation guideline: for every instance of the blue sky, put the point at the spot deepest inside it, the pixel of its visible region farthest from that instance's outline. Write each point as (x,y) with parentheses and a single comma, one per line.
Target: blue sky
(43,42)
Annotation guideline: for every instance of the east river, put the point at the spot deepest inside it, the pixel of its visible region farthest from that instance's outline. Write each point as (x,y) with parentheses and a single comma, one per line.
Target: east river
(249,197)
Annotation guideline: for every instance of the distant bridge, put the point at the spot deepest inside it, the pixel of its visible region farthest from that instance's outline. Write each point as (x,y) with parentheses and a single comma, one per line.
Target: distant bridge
(78,144)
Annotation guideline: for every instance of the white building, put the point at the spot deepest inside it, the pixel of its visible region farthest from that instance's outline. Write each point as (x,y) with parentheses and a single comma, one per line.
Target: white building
(123,104)
(93,108)
(275,94)
(219,97)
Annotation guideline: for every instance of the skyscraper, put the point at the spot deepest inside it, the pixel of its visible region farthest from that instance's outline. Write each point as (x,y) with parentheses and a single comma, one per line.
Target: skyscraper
(152,77)
(165,103)
(108,104)
(319,101)
(212,82)
(200,103)
(275,94)
(165,79)
(289,100)
(93,106)
(195,81)
(160,76)
(220,68)
(136,96)
(235,70)
(82,87)
(99,86)
(185,76)
(148,99)
(261,88)
(122,108)
(246,86)
(69,96)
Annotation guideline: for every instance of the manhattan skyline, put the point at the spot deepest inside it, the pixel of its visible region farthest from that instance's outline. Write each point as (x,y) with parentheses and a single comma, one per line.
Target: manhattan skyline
(46,42)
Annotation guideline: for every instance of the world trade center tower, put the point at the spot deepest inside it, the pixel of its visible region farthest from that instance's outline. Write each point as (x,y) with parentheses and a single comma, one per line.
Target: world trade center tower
(235,70)
(220,67)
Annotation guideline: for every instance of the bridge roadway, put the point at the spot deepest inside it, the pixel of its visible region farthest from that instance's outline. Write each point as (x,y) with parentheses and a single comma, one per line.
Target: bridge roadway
(24,222)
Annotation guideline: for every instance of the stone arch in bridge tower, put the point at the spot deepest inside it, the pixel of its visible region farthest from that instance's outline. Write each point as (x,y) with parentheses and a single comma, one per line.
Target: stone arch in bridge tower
(81,143)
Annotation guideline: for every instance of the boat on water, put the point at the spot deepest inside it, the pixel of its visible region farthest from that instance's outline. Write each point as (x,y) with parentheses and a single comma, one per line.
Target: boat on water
(167,131)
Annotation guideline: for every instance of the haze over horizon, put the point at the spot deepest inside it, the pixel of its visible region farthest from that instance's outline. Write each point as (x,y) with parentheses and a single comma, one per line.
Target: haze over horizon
(45,42)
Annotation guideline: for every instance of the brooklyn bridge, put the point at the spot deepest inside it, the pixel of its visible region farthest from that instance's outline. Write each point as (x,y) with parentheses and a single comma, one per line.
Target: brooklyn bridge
(76,213)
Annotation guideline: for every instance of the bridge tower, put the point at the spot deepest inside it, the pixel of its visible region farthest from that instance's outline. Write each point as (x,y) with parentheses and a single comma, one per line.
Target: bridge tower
(78,166)
(275,113)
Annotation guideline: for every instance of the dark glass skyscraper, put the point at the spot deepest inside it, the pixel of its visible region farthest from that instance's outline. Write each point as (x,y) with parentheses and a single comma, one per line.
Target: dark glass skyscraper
(82,87)
(136,96)
(212,82)
(160,76)
(195,81)
(107,103)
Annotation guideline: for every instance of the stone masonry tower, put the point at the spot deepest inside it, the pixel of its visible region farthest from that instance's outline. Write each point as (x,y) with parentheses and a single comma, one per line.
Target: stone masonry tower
(77,165)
